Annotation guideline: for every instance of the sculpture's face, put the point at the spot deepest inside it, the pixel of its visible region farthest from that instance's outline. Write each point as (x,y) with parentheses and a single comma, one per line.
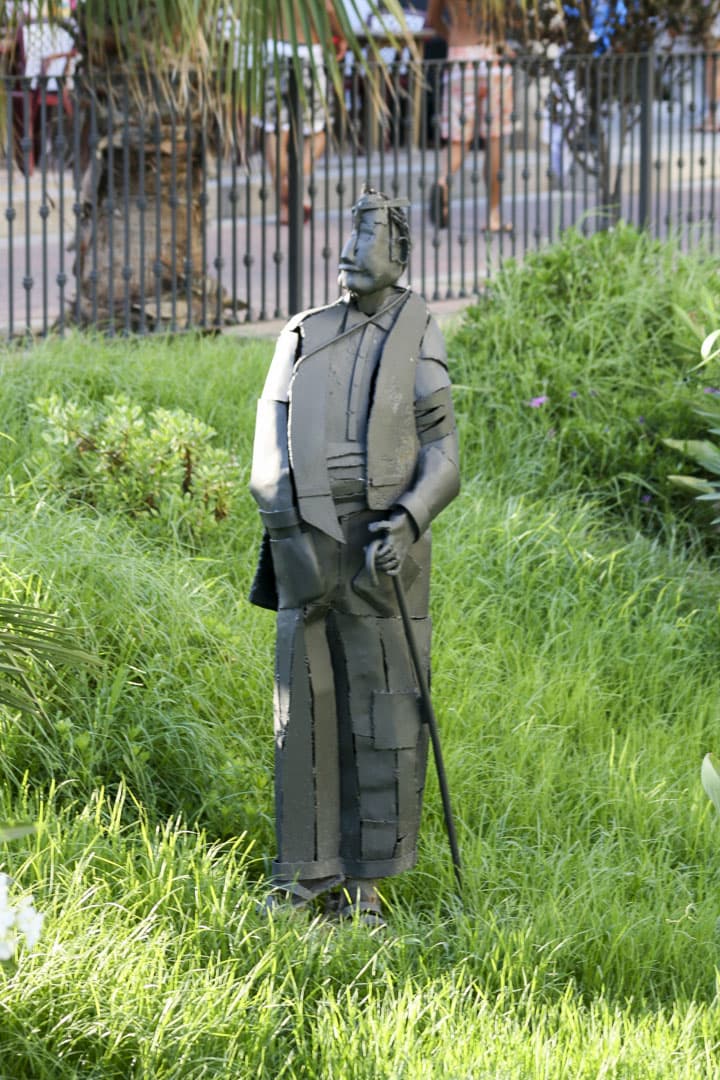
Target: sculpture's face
(365,264)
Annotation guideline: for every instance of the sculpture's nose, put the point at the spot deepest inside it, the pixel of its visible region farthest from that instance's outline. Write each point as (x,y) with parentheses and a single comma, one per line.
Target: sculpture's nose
(348,251)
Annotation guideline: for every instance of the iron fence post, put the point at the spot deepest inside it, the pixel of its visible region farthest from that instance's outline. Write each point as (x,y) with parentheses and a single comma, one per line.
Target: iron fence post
(647,87)
(295,193)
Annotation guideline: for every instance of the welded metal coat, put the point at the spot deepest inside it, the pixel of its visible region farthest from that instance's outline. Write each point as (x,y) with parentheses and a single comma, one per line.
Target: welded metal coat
(355,420)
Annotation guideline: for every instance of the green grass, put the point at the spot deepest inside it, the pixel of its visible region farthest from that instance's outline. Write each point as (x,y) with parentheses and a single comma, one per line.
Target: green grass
(576,683)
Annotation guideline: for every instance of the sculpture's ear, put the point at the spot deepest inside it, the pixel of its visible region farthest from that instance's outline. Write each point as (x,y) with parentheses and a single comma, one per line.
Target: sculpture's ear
(400,249)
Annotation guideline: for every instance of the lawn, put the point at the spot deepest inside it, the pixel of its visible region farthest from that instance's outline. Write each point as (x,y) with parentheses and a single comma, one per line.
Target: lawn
(575,678)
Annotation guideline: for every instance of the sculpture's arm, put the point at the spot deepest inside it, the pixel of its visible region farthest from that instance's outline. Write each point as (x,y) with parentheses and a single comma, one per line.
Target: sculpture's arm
(437,475)
(436,480)
(270,479)
(297,571)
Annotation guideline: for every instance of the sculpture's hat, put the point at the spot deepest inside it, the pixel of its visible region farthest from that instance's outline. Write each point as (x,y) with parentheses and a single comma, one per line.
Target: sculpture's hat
(370,199)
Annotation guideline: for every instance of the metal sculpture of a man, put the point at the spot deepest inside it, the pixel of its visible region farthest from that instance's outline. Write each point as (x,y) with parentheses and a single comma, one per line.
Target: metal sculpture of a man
(355,441)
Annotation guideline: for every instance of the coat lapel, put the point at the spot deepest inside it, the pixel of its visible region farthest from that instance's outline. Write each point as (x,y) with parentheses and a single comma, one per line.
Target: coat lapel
(308,421)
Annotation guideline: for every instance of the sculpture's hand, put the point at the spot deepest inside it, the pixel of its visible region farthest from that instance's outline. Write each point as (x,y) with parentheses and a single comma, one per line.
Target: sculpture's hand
(399,536)
(298,574)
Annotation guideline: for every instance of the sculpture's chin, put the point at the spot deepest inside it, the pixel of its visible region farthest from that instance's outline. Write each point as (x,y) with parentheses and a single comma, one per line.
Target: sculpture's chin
(360,284)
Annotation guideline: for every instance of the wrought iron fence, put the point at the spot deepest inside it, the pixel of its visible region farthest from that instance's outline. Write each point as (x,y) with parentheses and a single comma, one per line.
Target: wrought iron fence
(144,218)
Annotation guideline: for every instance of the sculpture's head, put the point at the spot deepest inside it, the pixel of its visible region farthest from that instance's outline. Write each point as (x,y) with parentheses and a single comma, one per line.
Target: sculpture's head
(378,247)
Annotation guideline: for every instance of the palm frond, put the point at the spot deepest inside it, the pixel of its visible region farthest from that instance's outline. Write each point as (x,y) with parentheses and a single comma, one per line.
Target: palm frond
(710,777)
(30,638)
(199,49)
(702,451)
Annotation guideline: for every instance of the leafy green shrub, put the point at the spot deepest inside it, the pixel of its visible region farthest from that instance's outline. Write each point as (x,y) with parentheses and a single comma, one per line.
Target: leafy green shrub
(579,358)
(114,457)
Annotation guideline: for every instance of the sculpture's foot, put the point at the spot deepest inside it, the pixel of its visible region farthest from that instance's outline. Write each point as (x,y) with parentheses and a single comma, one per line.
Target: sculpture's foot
(297,895)
(359,900)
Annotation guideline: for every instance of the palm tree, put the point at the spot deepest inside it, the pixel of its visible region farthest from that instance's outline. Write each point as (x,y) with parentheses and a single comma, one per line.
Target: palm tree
(159,97)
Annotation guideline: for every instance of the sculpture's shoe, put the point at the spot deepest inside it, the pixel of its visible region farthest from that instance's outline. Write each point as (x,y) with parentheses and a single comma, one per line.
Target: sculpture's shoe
(361,903)
(296,895)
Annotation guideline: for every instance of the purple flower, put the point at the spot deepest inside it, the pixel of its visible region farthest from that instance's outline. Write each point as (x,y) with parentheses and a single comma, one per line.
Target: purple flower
(573,393)
(646,498)
(536,402)
(710,390)
(641,419)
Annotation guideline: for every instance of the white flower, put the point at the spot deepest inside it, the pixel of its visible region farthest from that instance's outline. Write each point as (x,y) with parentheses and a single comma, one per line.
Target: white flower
(5,883)
(7,946)
(29,921)
(8,935)
(15,920)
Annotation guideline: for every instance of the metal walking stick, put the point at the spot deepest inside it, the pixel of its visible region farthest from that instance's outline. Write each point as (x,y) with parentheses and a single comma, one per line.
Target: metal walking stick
(427,706)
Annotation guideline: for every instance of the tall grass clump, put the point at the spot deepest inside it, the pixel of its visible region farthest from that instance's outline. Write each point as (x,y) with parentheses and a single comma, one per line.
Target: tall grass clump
(581,358)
